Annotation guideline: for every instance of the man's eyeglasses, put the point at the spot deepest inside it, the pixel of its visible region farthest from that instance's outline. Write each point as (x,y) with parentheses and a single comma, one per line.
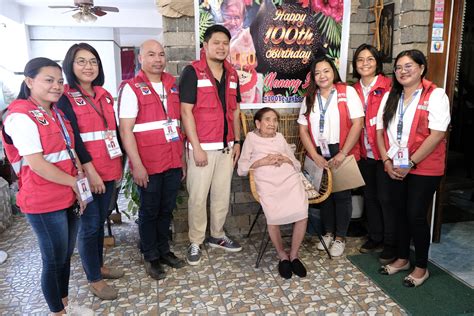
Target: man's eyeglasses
(83,62)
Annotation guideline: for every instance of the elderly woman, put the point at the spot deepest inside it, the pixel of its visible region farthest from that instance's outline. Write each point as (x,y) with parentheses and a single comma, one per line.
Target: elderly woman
(279,187)
(411,127)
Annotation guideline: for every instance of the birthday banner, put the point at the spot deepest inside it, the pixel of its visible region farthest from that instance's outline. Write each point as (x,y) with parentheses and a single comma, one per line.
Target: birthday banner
(274,43)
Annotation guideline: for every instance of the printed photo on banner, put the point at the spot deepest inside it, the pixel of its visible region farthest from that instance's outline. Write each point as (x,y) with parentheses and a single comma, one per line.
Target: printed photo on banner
(274,42)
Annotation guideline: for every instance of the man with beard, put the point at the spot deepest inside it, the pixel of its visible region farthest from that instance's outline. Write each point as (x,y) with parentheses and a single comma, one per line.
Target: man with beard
(149,112)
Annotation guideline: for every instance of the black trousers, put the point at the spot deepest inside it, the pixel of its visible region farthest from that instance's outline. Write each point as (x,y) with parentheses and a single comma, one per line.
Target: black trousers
(157,203)
(336,210)
(381,225)
(411,198)
(389,207)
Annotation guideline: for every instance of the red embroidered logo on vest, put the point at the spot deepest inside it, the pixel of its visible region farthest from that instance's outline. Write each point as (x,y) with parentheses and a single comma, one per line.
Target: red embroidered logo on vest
(80,101)
(39,116)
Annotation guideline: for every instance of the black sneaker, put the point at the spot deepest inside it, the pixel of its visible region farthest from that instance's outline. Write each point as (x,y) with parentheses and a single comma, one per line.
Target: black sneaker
(371,246)
(225,243)
(193,257)
(155,270)
(388,255)
(171,260)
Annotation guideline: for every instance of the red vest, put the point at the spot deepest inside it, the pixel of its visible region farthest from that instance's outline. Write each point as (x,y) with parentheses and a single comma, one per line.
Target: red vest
(92,128)
(38,195)
(376,94)
(434,163)
(345,122)
(208,112)
(156,153)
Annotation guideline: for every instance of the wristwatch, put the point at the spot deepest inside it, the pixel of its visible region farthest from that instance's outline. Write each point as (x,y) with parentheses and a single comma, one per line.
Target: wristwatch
(412,164)
(237,141)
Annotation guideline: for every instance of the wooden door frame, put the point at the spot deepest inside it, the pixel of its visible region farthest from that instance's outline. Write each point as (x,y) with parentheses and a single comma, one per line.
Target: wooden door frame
(445,76)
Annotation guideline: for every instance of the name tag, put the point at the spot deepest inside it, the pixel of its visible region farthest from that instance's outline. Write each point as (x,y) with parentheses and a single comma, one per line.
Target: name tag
(233,85)
(204,83)
(171,131)
(112,145)
(323,145)
(401,160)
(423,107)
(84,190)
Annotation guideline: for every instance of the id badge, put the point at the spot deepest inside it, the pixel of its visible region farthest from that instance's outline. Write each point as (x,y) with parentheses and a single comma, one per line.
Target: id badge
(323,145)
(401,159)
(171,133)
(111,142)
(84,190)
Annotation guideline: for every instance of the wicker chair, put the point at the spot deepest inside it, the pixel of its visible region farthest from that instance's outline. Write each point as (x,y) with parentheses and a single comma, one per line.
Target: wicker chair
(289,128)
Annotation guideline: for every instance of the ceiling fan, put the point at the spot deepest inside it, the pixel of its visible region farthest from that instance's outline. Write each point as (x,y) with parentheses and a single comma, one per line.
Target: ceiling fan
(87,12)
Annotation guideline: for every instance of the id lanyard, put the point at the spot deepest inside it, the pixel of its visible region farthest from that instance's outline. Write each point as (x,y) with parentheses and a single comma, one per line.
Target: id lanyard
(67,138)
(101,112)
(322,110)
(401,113)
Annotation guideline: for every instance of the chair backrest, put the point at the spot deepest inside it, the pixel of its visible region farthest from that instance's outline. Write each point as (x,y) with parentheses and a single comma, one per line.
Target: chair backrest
(288,126)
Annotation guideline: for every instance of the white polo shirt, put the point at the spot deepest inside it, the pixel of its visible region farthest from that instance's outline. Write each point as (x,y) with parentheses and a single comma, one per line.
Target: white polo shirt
(438,116)
(129,101)
(332,120)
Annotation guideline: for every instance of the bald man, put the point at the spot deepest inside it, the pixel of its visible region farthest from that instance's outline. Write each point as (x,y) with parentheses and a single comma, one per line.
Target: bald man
(149,113)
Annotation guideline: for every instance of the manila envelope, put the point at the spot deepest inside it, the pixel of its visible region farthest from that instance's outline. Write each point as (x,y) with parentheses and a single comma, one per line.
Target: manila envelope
(347,176)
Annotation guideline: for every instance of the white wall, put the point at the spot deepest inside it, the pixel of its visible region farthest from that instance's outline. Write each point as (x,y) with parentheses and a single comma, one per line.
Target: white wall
(53,42)
(15,45)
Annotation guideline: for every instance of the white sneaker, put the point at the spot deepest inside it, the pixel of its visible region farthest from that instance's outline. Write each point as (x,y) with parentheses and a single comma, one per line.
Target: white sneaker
(337,248)
(328,238)
(76,310)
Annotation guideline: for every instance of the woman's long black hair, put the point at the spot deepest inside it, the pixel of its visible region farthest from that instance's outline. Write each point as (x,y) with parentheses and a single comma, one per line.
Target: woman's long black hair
(312,88)
(68,65)
(32,68)
(396,91)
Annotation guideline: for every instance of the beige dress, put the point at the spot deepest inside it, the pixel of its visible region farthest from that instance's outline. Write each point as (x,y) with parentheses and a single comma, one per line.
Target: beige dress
(280,189)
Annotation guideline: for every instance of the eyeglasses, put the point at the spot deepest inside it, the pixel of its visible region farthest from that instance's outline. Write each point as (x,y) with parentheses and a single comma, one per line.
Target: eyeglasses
(83,62)
(362,60)
(406,68)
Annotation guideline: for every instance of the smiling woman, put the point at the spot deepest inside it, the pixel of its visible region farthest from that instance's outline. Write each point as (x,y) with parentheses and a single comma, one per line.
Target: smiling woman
(411,126)
(330,123)
(39,143)
(89,107)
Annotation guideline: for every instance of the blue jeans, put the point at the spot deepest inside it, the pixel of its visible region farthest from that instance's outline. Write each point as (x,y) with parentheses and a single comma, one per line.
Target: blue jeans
(157,203)
(56,233)
(90,242)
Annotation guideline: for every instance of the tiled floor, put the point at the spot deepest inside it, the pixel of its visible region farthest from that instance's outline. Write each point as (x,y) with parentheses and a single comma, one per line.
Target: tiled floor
(224,283)
(455,252)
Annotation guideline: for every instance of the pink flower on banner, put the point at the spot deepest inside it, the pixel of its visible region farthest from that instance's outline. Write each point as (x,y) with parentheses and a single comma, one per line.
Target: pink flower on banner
(332,8)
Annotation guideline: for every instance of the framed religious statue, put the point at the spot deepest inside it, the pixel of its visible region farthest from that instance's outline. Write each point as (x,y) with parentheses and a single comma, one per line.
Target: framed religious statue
(386,32)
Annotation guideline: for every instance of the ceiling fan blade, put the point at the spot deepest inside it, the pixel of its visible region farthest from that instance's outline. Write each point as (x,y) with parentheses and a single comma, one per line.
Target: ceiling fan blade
(110,9)
(61,7)
(98,11)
